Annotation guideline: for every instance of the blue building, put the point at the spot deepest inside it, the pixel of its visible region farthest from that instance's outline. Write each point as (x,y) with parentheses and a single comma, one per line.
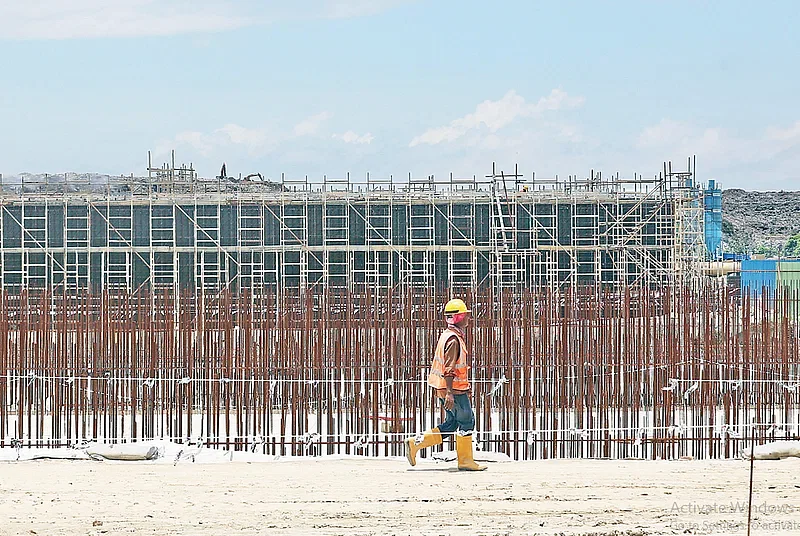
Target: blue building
(713,220)
(759,275)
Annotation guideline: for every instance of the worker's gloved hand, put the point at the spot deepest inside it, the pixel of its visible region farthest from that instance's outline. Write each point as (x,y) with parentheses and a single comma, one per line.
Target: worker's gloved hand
(449,402)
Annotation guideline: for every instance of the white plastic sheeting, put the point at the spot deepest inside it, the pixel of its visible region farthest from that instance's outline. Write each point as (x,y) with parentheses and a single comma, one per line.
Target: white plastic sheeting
(776,450)
(167,452)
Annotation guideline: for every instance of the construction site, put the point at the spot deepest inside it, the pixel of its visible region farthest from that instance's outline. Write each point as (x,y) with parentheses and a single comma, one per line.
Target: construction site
(298,318)
(173,229)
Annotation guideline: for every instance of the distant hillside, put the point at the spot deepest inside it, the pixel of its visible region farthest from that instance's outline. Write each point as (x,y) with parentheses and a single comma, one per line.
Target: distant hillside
(760,222)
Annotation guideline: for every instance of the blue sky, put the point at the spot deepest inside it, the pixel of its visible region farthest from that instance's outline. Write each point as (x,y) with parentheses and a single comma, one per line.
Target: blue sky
(393,86)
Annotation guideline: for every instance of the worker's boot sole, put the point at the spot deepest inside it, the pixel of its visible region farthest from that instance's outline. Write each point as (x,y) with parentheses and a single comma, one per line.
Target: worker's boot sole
(475,468)
(410,453)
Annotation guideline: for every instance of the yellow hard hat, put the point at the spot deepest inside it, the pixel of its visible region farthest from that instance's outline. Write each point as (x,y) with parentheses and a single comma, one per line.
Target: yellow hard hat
(455,306)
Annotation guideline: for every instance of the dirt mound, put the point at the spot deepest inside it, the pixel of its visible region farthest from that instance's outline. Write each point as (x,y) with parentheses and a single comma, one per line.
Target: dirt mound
(759,222)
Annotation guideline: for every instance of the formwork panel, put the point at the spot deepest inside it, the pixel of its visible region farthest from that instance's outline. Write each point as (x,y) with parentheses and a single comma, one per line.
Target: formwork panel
(12,226)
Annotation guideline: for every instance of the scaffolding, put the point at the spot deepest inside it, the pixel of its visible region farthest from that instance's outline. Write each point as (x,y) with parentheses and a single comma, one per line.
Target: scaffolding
(690,246)
(174,229)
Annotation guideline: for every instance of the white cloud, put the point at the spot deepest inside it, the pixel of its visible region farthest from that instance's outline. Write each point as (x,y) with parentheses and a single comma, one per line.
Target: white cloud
(353,138)
(790,134)
(683,137)
(61,19)
(495,115)
(558,100)
(252,138)
(666,131)
(767,159)
(751,160)
(195,140)
(256,141)
(311,125)
(57,19)
(343,9)
(236,141)
(546,147)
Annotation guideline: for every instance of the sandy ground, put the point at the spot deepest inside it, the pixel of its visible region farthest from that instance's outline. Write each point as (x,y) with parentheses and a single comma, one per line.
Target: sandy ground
(386,496)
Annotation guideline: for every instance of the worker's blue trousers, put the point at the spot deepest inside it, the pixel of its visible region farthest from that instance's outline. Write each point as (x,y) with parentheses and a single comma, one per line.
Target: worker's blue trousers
(460,417)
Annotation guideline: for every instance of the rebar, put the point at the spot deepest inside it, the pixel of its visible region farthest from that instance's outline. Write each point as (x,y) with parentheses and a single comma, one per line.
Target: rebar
(692,370)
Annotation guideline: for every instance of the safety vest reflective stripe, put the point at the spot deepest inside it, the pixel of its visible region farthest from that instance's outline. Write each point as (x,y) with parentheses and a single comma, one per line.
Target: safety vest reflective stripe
(460,369)
(440,372)
(440,362)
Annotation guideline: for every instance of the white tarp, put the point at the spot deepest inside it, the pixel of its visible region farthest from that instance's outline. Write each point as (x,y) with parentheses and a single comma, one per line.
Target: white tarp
(123,451)
(776,450)
(167,452)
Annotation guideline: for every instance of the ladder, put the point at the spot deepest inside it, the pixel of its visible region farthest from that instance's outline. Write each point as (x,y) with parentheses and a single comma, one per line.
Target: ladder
(293,262)
(120,235)
(34,243)
(419,270)
(76,242)
(211,260)
(462,262)
(250,240)
(162,235)
(585,228)
(336,232)
(508,270)
(378,240)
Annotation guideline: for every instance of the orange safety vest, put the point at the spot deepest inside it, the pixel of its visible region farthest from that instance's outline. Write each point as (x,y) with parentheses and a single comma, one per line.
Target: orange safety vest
(436,376)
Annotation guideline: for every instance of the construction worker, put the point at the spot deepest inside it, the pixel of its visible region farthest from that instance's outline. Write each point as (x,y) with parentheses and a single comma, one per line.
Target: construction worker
(449,377)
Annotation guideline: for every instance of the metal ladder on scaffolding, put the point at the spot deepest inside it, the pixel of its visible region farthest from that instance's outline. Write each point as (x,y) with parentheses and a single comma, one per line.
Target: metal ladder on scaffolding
(211,264)
(76,242)
(419,270)
(336,259)
(378,233)
(250,238)
(690,221)
(162,238)
(34,244)
(461,216)
(296,271)
(119,262)
(508,270)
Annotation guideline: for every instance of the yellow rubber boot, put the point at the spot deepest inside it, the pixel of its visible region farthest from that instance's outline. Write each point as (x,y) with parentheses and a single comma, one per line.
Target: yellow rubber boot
(429,439)
(464,452)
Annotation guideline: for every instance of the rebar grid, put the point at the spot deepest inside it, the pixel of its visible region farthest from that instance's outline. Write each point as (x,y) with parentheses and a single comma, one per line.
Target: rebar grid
(695,370)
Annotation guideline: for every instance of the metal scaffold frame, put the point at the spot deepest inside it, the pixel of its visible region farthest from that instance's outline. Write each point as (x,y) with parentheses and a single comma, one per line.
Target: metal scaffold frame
(690,247)
(173,229)
(378,229)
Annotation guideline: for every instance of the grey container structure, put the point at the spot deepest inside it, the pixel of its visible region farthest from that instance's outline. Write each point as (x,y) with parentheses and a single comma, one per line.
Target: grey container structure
(174,229)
